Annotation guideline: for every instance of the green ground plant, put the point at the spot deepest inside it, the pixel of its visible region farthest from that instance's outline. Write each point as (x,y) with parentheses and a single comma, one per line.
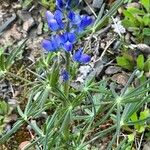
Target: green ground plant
(4,112)
(137,21)
(130,63)
(62,116)
(7,60)
(49,4)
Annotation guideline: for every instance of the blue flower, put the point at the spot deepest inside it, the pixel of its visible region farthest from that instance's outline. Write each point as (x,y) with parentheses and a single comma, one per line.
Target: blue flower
(85,22)
(55,20)
(51,45)
(65,75)
(80,57)
(81,22)
(67,40)
(74,18)
(59,4)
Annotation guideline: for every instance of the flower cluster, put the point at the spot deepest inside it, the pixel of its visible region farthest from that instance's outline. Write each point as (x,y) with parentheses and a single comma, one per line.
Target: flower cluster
(66,25)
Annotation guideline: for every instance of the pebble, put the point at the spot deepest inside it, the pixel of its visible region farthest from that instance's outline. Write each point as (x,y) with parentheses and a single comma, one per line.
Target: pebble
(144,48)
(97,3)
(40,27)
(134,4)
(112,70)
(120,78)
(146,146)
(28,24)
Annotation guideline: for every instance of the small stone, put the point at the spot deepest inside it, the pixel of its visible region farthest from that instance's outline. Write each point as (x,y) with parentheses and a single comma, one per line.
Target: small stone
(89,1)
(144,48)
(15,33)
(23,15)
(98,68)
(40,28)
(27,25)
(16,6)
(97,3)
(23,145)
(5,4)
(112,70)
(133,5)
(120,78)
(146,146)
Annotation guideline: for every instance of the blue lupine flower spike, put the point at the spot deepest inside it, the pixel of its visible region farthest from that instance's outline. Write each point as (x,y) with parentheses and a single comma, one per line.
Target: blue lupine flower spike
(80,57)
(65,75)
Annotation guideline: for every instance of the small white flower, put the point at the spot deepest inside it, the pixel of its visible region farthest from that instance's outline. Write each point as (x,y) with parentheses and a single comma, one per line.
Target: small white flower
(118,27)
(84,70)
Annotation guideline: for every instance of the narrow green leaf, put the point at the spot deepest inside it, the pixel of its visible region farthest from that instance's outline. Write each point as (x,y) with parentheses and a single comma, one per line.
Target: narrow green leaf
(13,54)
(16,126)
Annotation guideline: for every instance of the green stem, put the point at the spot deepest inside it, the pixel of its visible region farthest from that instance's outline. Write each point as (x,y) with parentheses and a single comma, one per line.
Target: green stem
(66,85)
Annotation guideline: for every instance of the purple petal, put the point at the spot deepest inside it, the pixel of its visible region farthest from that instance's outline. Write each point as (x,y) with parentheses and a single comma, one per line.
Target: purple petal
(63,38)
(55,44)
(80,57)
(53,25)
(47,45)
(85,58)
(59,4)
(49,15)
(74,18)
(65,75)
(77,55)
(67,46)
(86,21)
(58,15)
(71,37)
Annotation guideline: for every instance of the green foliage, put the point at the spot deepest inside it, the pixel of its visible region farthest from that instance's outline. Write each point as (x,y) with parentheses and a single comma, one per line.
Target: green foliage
(137,20)
(4,110)
(65,124)
(140,127)
(49,4)
(75,115)
(7,60)
(127,62)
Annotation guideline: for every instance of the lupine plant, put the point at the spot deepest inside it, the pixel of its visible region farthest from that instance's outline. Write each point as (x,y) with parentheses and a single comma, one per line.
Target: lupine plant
(63,116)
